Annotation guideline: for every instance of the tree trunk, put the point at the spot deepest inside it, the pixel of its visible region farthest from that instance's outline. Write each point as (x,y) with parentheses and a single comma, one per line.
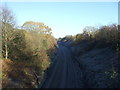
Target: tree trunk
(6,46)
(6,51)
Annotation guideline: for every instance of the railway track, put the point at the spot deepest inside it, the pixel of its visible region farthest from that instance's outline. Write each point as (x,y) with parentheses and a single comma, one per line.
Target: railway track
(66,71)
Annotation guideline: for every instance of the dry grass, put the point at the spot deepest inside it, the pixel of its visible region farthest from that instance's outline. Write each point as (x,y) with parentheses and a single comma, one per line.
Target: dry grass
(19,74)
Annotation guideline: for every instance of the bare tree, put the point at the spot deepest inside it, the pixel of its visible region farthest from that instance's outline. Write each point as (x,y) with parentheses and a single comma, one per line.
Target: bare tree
(8,22)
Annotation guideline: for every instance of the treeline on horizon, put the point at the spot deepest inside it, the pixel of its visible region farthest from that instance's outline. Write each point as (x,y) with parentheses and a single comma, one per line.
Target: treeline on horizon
(26,51)
(105,35)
